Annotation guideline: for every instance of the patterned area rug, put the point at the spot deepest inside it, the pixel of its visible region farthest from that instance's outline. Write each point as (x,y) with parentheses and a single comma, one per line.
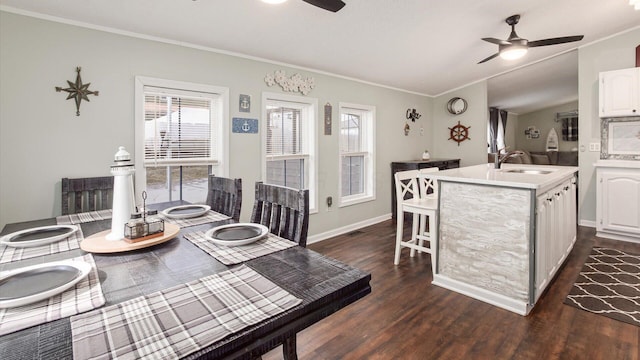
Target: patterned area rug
(609,285)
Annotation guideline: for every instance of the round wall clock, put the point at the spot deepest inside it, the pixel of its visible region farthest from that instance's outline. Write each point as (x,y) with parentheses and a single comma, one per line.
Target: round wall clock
(457,106)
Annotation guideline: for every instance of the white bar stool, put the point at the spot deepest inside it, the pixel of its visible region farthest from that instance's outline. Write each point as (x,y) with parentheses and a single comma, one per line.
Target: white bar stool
(417,193)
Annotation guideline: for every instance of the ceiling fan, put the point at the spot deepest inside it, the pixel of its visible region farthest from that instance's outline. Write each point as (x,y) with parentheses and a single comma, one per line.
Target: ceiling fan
(515,46)
(331,5)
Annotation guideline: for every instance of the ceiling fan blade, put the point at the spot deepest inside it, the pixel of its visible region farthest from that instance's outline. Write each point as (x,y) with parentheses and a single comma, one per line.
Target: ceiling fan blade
(331,5)
(554,41)
(497,41)
(489,58)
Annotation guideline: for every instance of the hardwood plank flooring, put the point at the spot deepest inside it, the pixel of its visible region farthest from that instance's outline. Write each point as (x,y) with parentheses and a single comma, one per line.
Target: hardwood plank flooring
(405,317)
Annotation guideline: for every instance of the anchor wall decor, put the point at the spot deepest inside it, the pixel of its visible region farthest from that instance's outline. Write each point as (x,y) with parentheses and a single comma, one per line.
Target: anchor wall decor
(77,91)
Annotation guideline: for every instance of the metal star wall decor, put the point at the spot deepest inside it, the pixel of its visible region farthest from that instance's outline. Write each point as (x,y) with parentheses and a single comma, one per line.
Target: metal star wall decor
(78,91)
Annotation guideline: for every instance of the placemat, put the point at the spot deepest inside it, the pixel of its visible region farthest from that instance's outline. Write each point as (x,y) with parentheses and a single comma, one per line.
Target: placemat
(175,322)
(10,254)
(86,295)
(208,217)
(230,255)
(84,217)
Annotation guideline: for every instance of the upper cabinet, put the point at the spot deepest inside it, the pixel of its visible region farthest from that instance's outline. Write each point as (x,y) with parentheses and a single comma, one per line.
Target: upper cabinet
(620,93)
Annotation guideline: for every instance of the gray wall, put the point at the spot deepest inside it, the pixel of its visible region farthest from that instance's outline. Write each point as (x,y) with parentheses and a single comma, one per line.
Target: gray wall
(544,120)
(42,141)
(612,54)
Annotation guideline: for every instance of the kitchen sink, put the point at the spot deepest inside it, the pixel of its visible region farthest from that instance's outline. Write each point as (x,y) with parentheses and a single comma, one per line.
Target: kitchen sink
(528,171)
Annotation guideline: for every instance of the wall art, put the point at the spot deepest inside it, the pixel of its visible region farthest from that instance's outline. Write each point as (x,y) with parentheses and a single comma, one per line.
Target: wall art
(620,139)
(77,91)
(244,103)
(244,126)
(295,83)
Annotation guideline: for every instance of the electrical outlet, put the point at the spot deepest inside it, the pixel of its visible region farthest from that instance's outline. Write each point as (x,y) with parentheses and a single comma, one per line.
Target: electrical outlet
(329,203)
(594,147)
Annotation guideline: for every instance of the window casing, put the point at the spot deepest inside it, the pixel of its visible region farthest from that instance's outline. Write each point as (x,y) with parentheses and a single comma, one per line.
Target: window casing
(357,153)
(179,138)
(289,142)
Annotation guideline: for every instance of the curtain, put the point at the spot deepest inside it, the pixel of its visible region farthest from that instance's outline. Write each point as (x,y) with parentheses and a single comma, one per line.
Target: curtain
(493,130)
(570,129)
(501,140)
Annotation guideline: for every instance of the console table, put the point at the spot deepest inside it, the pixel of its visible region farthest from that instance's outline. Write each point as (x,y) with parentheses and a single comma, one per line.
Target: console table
(442,164)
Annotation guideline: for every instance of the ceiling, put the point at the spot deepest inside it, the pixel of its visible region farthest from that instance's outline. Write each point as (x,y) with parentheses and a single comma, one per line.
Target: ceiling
(424,46)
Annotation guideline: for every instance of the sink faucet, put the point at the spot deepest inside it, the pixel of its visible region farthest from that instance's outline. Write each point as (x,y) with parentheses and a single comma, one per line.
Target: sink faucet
(500,159)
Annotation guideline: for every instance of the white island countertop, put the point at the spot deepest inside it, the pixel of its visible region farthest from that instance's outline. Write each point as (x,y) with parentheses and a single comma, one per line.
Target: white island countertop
(486,174)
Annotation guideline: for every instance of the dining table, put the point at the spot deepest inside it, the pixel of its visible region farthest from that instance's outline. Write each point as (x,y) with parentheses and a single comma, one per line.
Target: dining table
(324,286)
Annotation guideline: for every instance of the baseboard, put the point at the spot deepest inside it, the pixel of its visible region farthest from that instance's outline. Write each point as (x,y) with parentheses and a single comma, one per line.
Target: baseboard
(518,307)
(345,229)
(621,237)
(587,223)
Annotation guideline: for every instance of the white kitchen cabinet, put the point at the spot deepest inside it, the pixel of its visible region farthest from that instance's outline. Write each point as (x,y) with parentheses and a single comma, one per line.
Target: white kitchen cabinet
(620,93)
(618,200)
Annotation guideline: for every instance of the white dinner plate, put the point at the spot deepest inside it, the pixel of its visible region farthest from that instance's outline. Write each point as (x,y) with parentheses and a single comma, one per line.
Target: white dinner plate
(186,211)
(38,236)
(236,234)
(38,282)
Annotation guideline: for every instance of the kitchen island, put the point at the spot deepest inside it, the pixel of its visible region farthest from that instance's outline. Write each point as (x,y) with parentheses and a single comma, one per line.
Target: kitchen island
(504,233)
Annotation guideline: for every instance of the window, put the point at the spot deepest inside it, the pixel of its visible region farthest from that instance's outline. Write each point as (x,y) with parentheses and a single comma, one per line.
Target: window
(357,155)
(179,139)
(289,140)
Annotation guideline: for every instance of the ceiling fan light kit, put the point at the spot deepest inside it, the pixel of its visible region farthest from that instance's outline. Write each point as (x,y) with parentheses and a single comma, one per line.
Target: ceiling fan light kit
(513,52)
(516,47)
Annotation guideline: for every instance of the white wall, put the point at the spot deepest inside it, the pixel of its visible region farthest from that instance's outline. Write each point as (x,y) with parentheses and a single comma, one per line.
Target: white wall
(612,54)
(544,120)
(42,141)
(474,150)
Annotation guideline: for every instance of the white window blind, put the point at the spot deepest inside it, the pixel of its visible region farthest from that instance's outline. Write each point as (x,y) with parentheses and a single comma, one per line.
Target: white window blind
(179,127)
(284,135)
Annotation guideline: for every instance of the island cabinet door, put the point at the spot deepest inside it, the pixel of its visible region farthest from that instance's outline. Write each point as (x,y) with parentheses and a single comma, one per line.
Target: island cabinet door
(555,232)
(544,214)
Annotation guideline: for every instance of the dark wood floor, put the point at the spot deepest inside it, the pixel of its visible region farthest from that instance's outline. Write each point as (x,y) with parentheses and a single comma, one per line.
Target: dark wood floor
(405,317)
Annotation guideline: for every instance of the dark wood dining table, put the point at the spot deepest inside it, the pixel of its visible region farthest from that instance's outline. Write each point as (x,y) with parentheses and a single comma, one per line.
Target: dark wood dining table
(325,286)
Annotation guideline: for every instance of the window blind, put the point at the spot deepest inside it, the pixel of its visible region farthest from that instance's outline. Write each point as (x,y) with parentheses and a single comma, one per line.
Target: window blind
(179,127)
(284,131)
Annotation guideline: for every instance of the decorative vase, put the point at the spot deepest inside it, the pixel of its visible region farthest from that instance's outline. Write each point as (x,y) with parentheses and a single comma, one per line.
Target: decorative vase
(425,155)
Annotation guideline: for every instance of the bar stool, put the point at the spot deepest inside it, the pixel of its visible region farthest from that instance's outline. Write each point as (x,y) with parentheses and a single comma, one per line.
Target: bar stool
(417,193)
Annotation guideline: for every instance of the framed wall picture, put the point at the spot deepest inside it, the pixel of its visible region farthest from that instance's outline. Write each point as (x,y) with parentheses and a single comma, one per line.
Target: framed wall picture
(620,139)
(327,119)
(244,103)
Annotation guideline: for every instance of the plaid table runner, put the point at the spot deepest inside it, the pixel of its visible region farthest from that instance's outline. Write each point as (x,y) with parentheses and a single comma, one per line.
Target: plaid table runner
(230,255)
(84,217)
(9,254)
(175,322)
(86,295)
(208,217)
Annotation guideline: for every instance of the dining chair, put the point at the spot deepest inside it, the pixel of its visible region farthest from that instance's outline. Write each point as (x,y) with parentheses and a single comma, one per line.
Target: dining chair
(86,194)
(225,196)
(417,193)
(284,210)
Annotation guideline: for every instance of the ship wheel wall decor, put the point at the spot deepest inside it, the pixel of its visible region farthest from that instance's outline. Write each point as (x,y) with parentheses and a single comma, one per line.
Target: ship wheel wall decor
(459,133)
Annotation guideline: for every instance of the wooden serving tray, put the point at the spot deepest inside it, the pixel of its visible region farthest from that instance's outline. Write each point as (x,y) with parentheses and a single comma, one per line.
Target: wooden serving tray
(97,243)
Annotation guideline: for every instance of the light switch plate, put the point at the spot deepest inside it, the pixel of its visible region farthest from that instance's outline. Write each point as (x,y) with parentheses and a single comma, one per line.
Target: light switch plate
(594,146)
